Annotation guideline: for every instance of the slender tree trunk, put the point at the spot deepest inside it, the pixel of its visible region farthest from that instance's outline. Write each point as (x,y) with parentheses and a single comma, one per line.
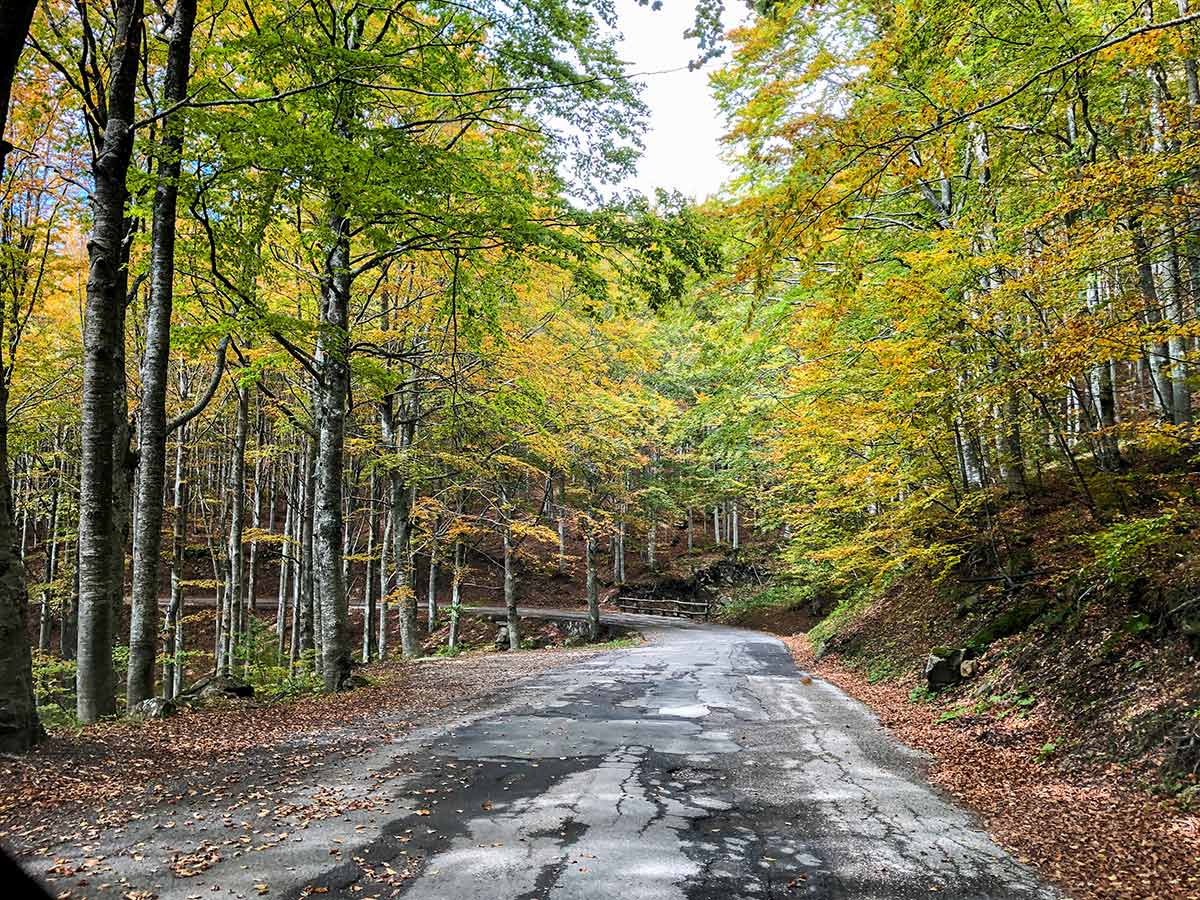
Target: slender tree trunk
(385,588)
(99,522)
(173,655)
(562,540)
(1181,392)
(68,633)
(285,557)
(305,583)
(370,641)
(152,410)
(410,645)
(455,594)
(296,552)
(236,621)
(50,571)
(431,605)
(593,596)
(398,436)
(255,526)
(510,593)
(1156,353)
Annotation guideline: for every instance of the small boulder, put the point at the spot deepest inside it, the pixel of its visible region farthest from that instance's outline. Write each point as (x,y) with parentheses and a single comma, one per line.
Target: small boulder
(943,668)
(576,632)
(501,637)
(948,666)
(154,708)
(218,687)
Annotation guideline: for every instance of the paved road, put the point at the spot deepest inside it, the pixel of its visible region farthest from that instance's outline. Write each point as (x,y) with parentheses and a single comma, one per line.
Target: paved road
(696,766)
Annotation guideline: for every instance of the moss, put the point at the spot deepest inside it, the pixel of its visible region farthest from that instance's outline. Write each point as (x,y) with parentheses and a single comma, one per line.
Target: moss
(1010,622)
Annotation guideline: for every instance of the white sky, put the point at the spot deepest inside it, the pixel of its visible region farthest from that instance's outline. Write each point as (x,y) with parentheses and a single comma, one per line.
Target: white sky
(683,140)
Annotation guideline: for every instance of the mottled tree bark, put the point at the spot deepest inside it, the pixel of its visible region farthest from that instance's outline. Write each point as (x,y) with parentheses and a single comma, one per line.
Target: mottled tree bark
(456,593)
(173,651)
(333,347)
(103,381)
(256,513)
(431,604)
(236,599)
(286,555)
(370,584)
(510,593)
(385,582)
(593,595)
(50,569)
(305,583)
(152,410)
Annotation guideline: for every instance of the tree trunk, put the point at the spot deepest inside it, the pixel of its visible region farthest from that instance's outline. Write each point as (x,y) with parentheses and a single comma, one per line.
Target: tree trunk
(19,725)
(236,622)
(15,19)
(68,633)
(333,349)
(1157,354)
(370,584)
(1181,393)
(255,524)
(398,436)
(593,597)
(173,655)
(305,583)
(431,606)
(455,594)
(401,550)
(102,381)
(286,555)
(385,582)
(510,593)
(152,410)
(50,570)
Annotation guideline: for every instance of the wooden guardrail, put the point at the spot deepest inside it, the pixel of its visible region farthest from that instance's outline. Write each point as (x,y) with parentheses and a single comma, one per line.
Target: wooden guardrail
(683,609)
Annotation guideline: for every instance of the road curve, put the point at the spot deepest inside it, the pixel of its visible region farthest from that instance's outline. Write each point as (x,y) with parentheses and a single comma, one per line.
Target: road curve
(696,766)
(700,765)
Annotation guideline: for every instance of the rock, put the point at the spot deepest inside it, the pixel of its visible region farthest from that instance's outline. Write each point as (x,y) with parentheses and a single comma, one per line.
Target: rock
(215,687)
(576,632)
(948,666)
(502,637)
(154,708)
(943,668)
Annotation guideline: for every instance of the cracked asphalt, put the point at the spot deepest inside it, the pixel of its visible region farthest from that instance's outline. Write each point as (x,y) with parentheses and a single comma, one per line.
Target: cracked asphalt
(698,765)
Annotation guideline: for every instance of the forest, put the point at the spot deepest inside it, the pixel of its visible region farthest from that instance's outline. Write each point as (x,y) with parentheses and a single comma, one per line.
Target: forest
(321,320)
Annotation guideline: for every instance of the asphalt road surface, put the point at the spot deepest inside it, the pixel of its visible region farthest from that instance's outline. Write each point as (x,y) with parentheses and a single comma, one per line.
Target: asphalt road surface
(698,765)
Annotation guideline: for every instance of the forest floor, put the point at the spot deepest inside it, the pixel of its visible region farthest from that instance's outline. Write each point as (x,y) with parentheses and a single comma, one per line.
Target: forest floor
(89,782)
(1096,833)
